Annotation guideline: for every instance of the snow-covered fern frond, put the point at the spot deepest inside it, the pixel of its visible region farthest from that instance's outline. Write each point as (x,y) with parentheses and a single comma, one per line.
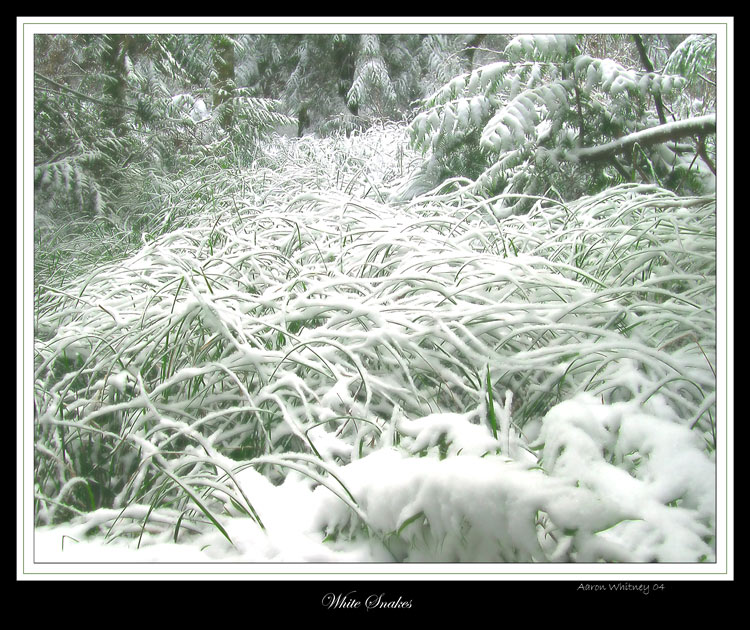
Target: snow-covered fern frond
(612,78)
(542,47)
(372,84)
(261,113)
(694,57)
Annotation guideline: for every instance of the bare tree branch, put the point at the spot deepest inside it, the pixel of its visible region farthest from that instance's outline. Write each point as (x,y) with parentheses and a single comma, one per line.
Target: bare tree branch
(704,154)
(650,68)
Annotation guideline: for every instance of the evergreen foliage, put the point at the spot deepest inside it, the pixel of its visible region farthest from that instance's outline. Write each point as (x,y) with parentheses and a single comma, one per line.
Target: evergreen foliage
(694,58)
(116,116)
(513,127)
(111,109)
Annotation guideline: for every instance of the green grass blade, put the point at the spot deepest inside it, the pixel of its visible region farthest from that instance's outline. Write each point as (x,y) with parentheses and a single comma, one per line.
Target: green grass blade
(202,507)
(491,405)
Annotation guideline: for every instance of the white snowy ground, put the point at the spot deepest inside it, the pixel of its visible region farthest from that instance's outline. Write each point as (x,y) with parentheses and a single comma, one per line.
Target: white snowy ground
(653,506)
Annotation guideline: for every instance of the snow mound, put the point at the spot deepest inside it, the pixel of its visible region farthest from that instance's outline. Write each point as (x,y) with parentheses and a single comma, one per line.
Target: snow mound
(614,483)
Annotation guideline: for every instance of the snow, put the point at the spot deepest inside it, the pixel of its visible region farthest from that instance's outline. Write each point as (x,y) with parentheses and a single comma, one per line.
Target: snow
(601,500)
(187,104)
(371,350)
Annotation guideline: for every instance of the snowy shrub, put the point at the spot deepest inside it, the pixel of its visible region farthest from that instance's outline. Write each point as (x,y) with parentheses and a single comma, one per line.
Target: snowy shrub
(613,483)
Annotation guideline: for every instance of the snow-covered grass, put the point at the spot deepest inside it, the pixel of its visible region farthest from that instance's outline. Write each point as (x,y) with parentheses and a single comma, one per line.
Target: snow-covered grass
(310,370)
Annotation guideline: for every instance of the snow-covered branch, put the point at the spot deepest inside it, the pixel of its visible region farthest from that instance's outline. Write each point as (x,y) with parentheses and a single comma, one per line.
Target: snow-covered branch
(699,126)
